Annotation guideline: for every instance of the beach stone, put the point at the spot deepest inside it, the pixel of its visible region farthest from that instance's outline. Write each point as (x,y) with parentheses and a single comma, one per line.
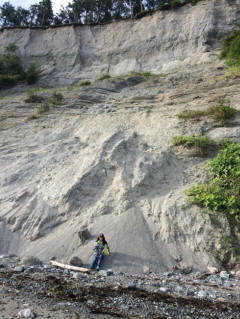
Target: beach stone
(19,268)
(26,313)
(131,286)
(213,270)
(47,266)
(224,275)
(76,275)
(146,269)
(190,293)
(164,289)
(109,272)
(31,261)
(75,261)
(179,289)
(202,294)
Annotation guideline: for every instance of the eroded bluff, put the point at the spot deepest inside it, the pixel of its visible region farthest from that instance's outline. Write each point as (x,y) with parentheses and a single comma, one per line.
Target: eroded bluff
(156,43)
(103,159)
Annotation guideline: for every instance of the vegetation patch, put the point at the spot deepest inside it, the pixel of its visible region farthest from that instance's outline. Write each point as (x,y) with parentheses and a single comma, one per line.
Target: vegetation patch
(222,112)
(43,108)
(12,70)
(222,192)
(231,52)
(145,74)
(82,83)
(32,73)
(33,98)
(103,77)
(33,117)
(56,98)
(200,143)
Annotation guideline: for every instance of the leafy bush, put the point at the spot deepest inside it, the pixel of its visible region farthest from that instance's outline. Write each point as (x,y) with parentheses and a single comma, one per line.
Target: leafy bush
(10,61)
(32,73)
(231,47)
(222,193)
(43,108)
(11,68)
(198,142)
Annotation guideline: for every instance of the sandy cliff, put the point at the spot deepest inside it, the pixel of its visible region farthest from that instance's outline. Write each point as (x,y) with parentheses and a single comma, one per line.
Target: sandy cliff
(156,43)
(103,159)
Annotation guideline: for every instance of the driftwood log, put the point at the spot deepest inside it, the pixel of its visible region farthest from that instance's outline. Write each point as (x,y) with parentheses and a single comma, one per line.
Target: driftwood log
(74,268)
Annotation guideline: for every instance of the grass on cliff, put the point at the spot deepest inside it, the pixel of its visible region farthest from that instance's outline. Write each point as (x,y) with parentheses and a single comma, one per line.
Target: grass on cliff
(222,192)
(231,52)
(103,77)
(199,143)
(222,112)
(56,98)
(33,98)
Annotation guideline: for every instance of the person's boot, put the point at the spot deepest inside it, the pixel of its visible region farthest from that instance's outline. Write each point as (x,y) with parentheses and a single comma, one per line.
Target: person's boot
(98,268)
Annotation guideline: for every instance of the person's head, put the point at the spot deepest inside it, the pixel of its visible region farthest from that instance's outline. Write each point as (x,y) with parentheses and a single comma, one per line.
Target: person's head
(101,237)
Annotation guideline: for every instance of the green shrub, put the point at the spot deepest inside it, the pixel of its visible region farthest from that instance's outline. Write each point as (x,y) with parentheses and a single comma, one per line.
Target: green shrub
(233,72)
(222,192)
(192,114)
(56,98)
(33,98)
(8,80)
(83,83)
(175,3)
(221,112)
(10,61)
(33,117)
(104,77)
(231,47)
(198,142)
(32,73)
(43,108)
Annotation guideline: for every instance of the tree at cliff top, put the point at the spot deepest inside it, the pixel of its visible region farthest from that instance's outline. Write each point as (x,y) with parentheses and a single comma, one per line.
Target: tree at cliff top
(83,11)
(44,13)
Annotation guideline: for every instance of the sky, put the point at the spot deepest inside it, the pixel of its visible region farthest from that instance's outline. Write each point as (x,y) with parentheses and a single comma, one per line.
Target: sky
(27,3)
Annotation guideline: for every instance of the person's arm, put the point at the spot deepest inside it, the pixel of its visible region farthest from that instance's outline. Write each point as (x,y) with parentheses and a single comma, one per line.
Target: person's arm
(107,248)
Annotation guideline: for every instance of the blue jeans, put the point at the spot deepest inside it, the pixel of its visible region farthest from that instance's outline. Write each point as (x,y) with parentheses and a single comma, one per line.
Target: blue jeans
(96,258)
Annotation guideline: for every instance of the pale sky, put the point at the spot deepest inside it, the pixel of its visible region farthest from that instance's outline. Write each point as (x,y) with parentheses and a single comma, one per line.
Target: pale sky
(26,3)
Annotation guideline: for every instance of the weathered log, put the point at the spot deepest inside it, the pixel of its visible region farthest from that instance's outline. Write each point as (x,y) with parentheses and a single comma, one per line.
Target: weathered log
(74,268)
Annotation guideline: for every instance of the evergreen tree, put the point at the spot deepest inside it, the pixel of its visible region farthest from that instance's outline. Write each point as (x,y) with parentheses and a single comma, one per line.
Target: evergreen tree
(8,15)
(44,13)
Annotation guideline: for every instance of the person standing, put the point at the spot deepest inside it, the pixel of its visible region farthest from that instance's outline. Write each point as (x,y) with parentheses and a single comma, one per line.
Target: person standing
(101,247)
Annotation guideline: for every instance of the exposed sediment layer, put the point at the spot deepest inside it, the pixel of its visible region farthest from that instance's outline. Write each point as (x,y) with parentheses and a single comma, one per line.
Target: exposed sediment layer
(156,43)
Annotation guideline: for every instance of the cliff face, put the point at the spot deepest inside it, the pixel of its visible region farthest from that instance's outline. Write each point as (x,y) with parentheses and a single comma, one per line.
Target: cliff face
(103,159)
(156,43)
